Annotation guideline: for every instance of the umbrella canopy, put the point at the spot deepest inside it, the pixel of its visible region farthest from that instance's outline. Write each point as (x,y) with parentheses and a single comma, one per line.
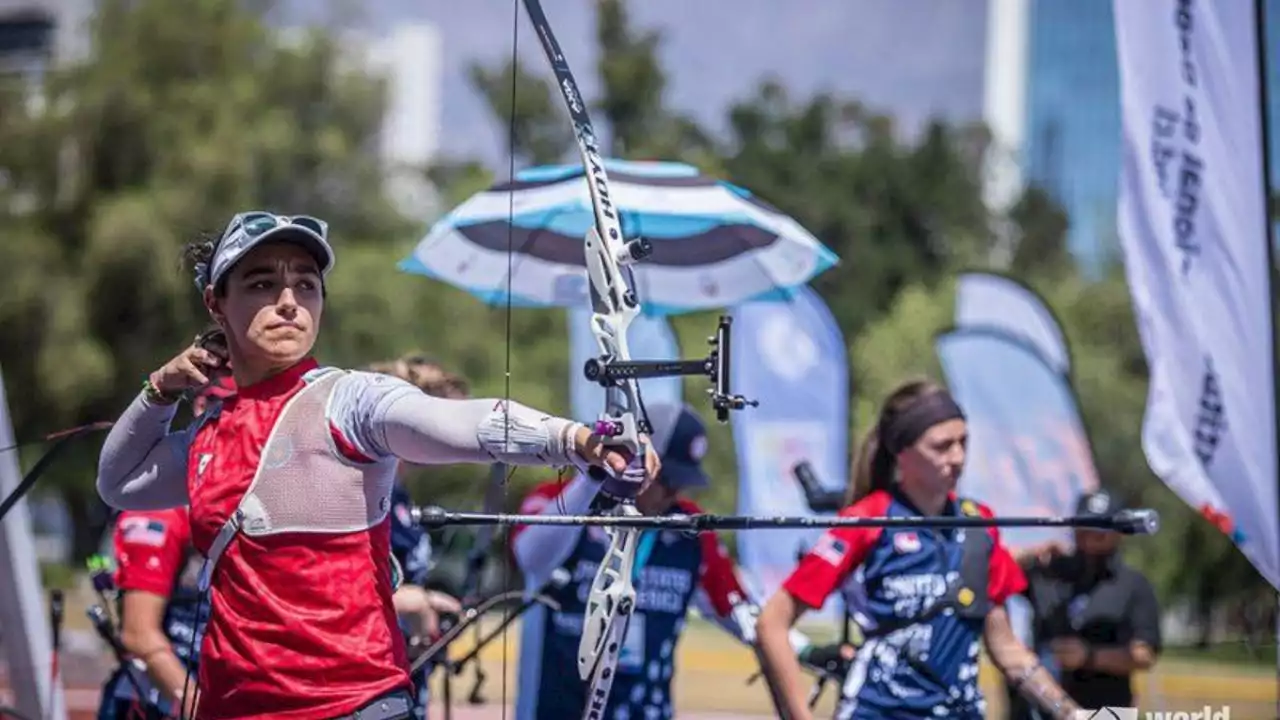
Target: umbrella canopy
(714,244)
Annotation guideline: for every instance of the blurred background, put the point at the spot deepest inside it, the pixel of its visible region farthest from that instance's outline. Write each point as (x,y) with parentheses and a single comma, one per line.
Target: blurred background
(917,139)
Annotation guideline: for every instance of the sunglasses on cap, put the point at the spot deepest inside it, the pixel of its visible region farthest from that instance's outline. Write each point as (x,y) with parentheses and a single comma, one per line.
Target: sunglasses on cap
(257,222)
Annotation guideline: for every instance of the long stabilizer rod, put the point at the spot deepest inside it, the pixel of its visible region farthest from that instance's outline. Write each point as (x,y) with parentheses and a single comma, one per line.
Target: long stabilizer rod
(1127,522)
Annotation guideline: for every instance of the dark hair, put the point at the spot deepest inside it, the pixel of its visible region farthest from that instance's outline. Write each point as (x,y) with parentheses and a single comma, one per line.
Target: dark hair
(874,466)
(197,255)
(426,374)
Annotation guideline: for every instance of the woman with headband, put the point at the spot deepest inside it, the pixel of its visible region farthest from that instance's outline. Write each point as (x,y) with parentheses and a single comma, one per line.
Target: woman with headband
(289,482)
(925,598)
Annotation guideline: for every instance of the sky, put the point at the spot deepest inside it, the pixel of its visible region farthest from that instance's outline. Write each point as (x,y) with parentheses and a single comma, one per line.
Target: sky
(911,58)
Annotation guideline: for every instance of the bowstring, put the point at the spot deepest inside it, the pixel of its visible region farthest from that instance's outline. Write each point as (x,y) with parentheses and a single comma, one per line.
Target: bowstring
(511,213)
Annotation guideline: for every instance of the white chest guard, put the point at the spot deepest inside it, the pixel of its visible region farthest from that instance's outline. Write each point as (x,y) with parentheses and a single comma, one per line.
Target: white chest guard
(303,483)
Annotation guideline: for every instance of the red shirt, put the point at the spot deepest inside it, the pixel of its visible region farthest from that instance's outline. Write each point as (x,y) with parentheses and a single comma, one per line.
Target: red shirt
(150,549)
(302,624)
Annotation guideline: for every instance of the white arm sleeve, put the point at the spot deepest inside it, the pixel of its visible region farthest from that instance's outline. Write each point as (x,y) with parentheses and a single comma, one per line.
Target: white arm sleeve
(540,549)
(142,465)
(387,417)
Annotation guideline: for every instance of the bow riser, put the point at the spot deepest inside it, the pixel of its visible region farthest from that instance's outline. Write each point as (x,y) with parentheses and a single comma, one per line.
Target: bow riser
(602,679)
(609,607)
(609,325)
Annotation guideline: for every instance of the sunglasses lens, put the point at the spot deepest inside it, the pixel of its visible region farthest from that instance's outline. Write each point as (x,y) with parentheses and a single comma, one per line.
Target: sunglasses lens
(312,224)
(255,225)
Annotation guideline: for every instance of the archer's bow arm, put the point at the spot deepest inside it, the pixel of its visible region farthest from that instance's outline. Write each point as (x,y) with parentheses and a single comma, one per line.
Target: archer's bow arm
(143,466)
(388,417)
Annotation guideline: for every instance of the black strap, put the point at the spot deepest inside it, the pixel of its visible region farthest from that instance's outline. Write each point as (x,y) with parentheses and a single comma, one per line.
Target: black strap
(395,705)
(967,592)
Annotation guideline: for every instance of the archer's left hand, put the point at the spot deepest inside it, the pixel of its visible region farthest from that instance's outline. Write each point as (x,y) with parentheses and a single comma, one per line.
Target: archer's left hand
(616,459)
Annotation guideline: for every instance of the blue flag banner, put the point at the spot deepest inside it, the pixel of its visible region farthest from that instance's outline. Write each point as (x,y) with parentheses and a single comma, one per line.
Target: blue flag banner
(791,357)
(1028,451)
(995,302)
(649,338)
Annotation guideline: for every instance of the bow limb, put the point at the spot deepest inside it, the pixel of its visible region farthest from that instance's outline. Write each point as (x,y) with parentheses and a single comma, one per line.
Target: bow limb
(614,306)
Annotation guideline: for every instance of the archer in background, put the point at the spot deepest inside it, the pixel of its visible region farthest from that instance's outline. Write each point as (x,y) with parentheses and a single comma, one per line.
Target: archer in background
(159,603)
(673,571)
(418,608)
(930,597)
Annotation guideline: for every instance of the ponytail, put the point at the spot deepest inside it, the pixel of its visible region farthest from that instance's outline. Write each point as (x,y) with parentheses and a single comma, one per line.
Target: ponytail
(908,411)
(873,468)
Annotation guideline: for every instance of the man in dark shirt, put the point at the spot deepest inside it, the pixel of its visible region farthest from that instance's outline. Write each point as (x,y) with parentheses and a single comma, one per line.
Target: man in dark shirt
(1095,616)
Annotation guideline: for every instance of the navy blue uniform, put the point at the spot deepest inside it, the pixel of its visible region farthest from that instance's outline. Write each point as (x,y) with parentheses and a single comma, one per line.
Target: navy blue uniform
(893,575)
(673,571)
(412,549)
(153,554)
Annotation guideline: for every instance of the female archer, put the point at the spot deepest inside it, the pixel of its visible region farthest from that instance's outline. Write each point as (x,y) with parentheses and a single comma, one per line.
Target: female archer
(289,482)
(925,598)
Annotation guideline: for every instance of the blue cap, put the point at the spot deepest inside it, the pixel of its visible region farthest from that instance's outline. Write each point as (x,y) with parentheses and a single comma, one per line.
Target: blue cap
(680,439)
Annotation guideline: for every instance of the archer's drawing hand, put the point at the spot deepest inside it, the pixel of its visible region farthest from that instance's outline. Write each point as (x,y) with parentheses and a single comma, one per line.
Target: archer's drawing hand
(189,369)
(423,608)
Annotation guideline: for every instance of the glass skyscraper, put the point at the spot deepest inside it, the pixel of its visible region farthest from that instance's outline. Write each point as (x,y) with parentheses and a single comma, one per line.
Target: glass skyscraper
(1072,136)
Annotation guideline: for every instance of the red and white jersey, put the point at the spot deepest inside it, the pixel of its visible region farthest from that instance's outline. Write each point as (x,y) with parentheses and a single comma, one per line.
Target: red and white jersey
(302,624)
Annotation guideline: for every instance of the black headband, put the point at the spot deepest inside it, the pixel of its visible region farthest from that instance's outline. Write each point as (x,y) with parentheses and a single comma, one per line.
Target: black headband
(907,427)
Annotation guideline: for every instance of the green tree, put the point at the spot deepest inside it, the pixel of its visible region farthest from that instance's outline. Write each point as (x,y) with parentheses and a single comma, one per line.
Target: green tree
(535,128)
(895,212)
(1042,243)
(178,117)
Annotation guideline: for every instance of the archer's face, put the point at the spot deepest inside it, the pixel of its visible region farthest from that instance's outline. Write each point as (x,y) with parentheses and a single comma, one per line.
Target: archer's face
(934,463)
(272,307)
(1098,543)
(656,498)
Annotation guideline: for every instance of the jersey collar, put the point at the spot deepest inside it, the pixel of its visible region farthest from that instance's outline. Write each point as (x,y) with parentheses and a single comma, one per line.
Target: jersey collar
(281,382)
(952,506)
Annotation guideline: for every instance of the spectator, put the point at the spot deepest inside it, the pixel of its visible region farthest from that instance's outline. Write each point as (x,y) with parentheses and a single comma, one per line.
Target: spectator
(1096,616)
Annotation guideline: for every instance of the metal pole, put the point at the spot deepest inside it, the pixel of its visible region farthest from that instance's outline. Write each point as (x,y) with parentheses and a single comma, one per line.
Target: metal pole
(28,643)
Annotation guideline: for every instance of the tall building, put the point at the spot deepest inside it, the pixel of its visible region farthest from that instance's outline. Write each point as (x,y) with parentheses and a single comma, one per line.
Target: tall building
(35,34)
(1052,100)
(411,58)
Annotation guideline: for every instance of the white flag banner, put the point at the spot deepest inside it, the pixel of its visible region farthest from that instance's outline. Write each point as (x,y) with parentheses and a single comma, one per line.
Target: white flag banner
(1192,226)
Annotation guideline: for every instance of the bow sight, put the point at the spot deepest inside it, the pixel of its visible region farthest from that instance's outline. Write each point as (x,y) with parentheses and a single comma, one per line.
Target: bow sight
(608,372)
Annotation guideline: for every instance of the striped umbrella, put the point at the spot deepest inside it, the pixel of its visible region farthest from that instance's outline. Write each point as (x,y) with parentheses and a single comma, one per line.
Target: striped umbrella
(715,244)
